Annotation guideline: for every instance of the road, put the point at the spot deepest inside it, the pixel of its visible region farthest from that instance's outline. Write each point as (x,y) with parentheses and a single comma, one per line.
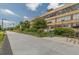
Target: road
(22,44)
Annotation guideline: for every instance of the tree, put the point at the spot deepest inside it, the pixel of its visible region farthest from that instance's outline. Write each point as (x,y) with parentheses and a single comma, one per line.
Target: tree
(25,24)
(40,23)
(0,27)
(50,10)
(17,27)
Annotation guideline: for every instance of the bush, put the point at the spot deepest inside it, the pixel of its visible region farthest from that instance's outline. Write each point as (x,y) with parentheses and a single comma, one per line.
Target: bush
(43,34)
(69,32)
(1,36)
(30,30)
(0,27)
(35,32)
(40,30)
(50,34)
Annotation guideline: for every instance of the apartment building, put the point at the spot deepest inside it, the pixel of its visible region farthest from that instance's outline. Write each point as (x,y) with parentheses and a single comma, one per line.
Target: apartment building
(64,16)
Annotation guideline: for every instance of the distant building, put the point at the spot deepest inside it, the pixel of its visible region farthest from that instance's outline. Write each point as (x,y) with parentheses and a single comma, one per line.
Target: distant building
(64,16)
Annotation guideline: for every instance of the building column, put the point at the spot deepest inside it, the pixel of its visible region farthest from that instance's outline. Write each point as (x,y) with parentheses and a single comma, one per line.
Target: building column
(49,27)
(71,19)
(55,22)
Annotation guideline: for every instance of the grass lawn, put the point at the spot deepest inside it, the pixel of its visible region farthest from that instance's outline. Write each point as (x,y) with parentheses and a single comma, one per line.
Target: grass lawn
(1,36)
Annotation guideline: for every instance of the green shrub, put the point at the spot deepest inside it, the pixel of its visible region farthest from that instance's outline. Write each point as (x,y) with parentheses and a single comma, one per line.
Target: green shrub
(50,33)
(1,36)
(43,34)
(69,32)
(40,30)
(0,27)
(30,30)
(35,32)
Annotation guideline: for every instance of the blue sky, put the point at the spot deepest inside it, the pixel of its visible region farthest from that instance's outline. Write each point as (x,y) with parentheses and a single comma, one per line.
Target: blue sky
(16,12)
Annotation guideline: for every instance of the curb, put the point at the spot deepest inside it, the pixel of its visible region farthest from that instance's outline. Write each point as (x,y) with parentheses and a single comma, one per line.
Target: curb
(6,46)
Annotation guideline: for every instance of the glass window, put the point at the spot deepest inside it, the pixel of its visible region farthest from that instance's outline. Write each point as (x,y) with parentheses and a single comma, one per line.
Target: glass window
(65,18)
(53,21)
(76,7)
(76,16)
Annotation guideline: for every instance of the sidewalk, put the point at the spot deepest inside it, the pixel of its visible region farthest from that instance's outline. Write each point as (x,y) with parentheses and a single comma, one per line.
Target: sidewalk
(70,41)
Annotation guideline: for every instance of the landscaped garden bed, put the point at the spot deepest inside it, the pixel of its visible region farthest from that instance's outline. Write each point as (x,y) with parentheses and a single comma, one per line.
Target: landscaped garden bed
(66,32)
(63,32)
(35,32)
(38,26)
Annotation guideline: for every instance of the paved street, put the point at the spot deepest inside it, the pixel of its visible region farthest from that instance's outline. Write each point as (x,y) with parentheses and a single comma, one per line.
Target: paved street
(22,44)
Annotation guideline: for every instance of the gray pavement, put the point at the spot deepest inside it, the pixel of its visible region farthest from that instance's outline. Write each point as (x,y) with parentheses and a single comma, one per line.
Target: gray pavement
(5,49)
(22,44)
(1,52)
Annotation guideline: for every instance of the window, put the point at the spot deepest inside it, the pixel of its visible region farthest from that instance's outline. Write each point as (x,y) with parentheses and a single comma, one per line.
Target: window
(65,18)
(76,7)
(49,21)
(76,16)
(53,21)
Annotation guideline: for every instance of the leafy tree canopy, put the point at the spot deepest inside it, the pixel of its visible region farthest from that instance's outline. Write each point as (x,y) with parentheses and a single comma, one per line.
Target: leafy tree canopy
(40,23)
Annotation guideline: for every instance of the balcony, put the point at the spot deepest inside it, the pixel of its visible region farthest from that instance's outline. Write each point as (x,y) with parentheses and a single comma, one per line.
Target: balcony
(64,22)
(65,14)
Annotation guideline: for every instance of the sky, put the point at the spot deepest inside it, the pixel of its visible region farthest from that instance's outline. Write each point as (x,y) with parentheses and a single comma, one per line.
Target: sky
(16,12)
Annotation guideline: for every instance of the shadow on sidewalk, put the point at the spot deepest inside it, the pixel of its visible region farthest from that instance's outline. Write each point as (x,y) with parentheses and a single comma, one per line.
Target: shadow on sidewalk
(6,48)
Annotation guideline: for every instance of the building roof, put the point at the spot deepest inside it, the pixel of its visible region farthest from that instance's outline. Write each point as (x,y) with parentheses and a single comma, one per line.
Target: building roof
(60,8)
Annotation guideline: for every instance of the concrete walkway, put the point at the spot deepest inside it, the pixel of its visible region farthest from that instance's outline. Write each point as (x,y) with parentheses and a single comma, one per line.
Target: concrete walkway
(22,44)
(5,48)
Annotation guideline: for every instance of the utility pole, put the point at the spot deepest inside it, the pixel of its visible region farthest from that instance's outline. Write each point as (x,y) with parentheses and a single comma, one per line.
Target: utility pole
(13,26)
(2,24)
(20,27)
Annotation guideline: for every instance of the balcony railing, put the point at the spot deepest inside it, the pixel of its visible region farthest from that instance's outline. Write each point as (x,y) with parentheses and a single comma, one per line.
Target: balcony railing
(64,22)
(65,14)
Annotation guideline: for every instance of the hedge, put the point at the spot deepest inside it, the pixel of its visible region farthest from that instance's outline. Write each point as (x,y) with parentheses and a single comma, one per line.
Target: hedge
(69,32)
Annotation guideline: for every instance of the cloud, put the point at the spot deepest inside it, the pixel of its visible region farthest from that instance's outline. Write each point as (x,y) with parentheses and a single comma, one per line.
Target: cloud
(25,17)
(7,12)
(32,6)
(54,5)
